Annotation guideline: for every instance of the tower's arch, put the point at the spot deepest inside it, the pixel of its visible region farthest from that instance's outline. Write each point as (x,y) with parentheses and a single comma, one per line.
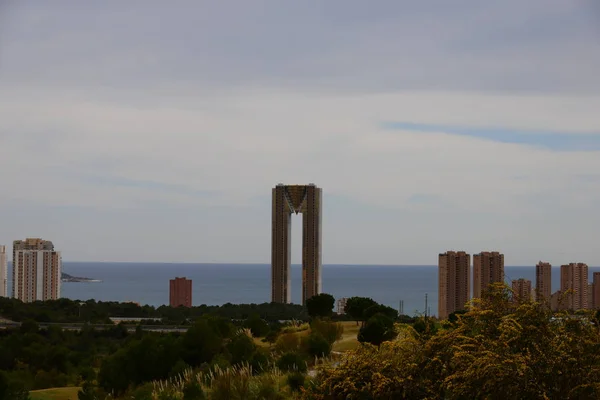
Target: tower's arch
(288,199)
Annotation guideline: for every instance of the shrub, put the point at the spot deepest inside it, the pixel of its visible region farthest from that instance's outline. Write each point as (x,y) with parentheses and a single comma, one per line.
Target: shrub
(287,342)
(295,381)
(378,329)
(316,345)
(292,362)
(331,331)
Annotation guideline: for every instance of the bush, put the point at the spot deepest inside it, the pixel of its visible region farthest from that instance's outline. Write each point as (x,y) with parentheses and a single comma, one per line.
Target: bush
(378,329)
(287,342)
(316,345)
(496,350)
(290,362)
(257,326)
(331,331)
(295,381)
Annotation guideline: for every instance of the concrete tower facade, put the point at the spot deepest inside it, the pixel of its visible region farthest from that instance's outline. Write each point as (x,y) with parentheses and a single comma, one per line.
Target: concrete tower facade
(595,291)
(180,292)
(288,199)
(454,282)
(488,268)
(3,272)
(543,282)
(37,270)
(574,276)
(521,289)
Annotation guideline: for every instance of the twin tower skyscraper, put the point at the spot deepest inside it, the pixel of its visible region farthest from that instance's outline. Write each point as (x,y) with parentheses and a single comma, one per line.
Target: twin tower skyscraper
(288,200)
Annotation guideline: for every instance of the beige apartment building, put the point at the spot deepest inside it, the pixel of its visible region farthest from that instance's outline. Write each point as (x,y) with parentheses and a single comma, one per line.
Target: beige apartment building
(36,270)
(543,282)
(521,290)
(288,200)
(454,282)
(574,276)
(3,272)
(488,268)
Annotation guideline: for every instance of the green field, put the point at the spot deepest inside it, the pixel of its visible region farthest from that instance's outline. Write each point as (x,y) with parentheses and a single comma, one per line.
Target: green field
(64,393)
(348,340)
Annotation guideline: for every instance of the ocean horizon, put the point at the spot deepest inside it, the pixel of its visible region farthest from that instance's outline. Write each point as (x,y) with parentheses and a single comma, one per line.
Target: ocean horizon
(217,284)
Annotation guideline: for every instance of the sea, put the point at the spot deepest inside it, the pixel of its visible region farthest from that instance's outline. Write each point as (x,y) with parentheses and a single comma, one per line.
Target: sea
(411,289)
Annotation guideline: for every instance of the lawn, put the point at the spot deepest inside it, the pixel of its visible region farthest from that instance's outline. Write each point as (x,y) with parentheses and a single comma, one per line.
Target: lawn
(64,393)
(348,341)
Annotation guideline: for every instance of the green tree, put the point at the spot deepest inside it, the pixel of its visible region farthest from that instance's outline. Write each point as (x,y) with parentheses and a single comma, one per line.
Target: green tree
(378,329)
(320,305)
(241,348)
(257,325)
(380,309)
(316,345)
(356,306)
(201,342)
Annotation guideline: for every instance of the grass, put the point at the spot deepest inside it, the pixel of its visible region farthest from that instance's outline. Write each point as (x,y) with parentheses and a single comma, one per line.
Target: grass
(348,341)
(64,393)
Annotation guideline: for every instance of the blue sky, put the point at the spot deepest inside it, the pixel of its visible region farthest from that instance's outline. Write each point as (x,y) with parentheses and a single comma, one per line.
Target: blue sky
(139,131)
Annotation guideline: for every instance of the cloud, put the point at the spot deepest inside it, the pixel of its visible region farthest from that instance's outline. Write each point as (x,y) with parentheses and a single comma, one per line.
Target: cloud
(560,141)
(139,131)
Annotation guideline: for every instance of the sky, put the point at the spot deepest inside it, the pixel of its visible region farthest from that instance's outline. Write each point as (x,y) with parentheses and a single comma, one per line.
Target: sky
(154,131)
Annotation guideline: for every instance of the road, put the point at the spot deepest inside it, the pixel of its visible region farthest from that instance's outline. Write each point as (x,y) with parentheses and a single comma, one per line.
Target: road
(4,324)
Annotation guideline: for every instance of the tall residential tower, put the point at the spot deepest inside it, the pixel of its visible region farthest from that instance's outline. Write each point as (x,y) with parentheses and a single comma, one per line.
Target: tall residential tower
(488,268)
(180,292)
(574,276)
(521,290)
(543,282)
(3,272)
(36,270)
(454,282)
(288,199)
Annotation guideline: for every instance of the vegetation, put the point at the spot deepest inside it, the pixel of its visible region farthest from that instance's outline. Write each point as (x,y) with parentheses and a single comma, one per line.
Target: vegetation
(495,350)
(100,312)
(67,393)
(320,305)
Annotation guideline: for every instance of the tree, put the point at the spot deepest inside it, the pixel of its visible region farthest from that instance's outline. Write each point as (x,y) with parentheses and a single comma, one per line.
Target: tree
(241,348)
(316,345)
(356,306)
(380,309)
(257,325)
(320,305)
(201,343)
(378,329)
(496,350)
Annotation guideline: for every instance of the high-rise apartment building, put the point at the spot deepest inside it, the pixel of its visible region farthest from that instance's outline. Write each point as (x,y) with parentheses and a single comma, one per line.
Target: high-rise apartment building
(488,268)
(3,272)
(288,199)
(36,270)
(574,276)
(341,305)
(180,292)
(521,289)
(596,290)
(454,282)
(543,282)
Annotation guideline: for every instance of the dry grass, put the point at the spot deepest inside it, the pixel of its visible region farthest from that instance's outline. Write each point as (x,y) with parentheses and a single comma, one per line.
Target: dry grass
(348,341)
(64,393)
